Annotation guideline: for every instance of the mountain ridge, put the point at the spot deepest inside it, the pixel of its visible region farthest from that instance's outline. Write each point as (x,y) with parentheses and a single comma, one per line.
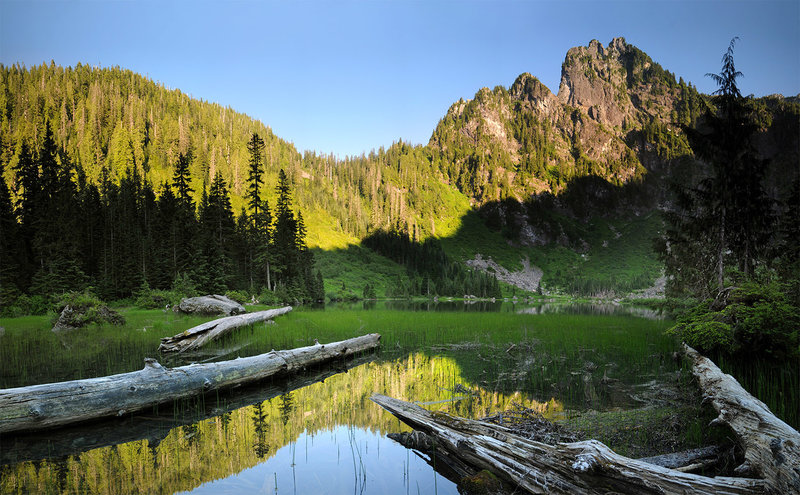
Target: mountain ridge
(616,118)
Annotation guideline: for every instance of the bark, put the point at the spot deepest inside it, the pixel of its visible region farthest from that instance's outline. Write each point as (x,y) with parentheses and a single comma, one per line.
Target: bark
(771,447)
(587,467)
(56,404)
(199,335)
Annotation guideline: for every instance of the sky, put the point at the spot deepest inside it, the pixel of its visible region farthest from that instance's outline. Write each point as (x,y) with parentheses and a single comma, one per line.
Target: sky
(349,77)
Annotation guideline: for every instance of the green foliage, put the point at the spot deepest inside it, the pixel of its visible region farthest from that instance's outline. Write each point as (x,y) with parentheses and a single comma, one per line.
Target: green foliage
(184,286)
(757,319)
(86,308)
(239,296)
(147,298)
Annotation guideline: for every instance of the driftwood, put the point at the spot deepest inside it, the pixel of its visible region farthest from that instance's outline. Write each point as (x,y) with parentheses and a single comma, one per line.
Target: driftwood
(771,447)
(155,426)
(55,404)
(197,336)
(581,467)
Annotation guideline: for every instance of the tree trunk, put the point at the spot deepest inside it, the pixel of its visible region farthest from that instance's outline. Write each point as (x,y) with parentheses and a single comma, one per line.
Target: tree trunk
(771,447)
(587,467)
(199,335)
(55,404)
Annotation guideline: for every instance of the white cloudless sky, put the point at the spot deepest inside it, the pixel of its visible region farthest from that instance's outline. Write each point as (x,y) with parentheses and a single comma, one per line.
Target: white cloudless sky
(348,77)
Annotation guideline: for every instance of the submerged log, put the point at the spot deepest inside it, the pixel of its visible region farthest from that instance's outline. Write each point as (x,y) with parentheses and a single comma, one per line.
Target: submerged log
(55,404)
(197,336)
(581,467)
(771,447)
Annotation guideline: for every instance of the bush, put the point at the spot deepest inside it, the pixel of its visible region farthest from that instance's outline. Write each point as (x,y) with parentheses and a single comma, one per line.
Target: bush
(239,296)
(147,298)
(27,305)
(755,319)
(268,297)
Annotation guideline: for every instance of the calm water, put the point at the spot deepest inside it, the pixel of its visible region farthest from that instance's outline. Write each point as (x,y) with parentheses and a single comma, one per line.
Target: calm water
(289,436)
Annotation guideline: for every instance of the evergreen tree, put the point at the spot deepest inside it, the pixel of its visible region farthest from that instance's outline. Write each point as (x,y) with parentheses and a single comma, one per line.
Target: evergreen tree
(727,215)
(285,233)
(258,239)
(9,246)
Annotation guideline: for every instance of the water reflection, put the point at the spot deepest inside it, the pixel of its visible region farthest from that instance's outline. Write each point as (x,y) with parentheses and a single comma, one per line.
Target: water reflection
(521,306)
(301,439)
(344,459)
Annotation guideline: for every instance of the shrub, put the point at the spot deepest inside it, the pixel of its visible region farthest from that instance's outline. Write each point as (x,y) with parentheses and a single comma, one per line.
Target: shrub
(147,298)
(755,319)
(239,296)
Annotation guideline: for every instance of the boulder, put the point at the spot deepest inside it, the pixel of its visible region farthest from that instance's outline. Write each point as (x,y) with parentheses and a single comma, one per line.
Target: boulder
(209,305)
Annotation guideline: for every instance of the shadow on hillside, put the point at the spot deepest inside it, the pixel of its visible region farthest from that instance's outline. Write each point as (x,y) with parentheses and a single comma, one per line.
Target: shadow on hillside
(592,238)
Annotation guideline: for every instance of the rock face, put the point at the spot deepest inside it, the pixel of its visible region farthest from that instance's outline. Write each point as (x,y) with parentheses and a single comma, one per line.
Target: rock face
(210,305)
(527,279)
(72,318)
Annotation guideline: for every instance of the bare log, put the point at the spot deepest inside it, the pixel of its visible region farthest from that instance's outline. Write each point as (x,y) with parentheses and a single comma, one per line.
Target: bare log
(55,404)
(771,447)
(587,467)
(154,427)
(199,335)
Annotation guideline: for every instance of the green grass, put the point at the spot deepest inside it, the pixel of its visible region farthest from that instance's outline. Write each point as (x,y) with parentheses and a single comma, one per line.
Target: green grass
(355,267)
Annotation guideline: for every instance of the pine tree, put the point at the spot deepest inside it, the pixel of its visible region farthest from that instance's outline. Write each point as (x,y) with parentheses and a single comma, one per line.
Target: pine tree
(727,215)
(9,246)
(258,238)
(285,233)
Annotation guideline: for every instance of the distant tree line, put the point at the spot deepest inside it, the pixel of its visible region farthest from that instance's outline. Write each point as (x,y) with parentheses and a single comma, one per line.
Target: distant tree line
(64,233)
(430,270)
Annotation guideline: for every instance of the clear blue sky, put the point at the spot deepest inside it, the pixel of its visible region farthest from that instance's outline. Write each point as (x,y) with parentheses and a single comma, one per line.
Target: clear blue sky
(347,77)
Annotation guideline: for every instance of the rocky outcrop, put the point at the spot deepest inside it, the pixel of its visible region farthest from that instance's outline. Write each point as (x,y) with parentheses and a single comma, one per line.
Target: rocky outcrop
(210,305)
(526,279)
(71,317)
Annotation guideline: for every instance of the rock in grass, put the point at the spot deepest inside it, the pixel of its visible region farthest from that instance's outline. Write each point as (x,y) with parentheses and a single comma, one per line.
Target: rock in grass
(78,309)
(209,305)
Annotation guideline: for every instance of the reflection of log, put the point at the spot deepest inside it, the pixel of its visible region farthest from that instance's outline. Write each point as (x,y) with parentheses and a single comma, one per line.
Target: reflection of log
(75,439)
(55,404)
(771,447)
(199,335)
(580,467)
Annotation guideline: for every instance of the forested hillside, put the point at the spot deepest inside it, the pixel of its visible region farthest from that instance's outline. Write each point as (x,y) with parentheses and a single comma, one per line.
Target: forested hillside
(564,180)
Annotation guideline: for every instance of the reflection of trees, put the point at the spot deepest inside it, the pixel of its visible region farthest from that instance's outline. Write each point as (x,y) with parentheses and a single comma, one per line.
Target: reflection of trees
(286,407)
(261,447)
(227,444)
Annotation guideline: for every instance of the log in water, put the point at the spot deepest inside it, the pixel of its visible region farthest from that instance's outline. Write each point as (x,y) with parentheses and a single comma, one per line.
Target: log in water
(55,404)
(197,336)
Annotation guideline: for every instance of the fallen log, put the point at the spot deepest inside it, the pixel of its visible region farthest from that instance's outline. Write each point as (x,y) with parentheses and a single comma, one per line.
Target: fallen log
(197,336)
(771,447)
(155,426)
(55,404)
(587,467)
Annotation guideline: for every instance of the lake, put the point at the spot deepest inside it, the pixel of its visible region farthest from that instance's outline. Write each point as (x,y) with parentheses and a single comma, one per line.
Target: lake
(319,432)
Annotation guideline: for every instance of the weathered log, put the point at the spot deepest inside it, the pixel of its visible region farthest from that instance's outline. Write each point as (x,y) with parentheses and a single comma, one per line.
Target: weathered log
(771,447)
(54,404)
(197,336)
(154,427)
(581,467)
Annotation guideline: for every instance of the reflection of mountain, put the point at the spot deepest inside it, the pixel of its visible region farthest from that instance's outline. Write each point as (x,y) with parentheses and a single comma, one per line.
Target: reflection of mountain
(223,445)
